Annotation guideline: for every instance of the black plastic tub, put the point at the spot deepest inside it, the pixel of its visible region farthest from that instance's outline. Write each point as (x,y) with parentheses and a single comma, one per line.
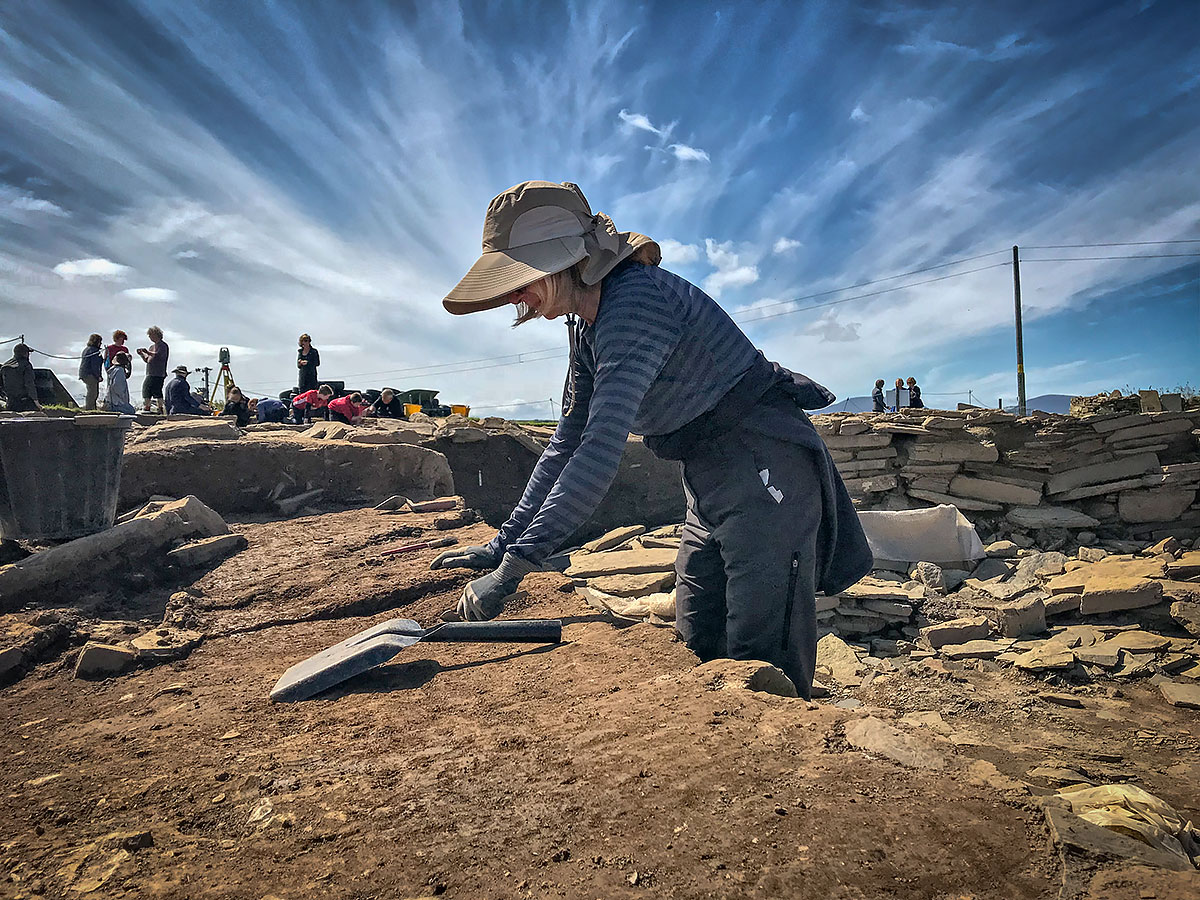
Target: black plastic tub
(59,477)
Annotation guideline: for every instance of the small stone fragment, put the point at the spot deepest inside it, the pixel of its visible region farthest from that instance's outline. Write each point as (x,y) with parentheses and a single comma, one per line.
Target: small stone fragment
(1023,616)
(1048,656)
(101,660)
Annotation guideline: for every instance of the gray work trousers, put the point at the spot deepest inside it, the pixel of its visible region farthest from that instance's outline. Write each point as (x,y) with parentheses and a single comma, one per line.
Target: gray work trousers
(745,577)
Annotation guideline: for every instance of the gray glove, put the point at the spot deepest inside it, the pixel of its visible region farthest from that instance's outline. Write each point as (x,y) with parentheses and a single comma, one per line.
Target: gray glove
(484,597)
(473,557)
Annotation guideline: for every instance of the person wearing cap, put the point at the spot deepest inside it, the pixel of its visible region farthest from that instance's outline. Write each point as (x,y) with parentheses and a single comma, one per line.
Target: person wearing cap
(179,396)
(19,383)
(768,520)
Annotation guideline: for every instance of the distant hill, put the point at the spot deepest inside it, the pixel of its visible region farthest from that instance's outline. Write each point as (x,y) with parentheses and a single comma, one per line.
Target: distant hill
(1050,403)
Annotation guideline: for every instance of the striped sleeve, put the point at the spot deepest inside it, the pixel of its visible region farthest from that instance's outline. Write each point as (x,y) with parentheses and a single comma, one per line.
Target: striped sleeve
(638,329)
(549,466)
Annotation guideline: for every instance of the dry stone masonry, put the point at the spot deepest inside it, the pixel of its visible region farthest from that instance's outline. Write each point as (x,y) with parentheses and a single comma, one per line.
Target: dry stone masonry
(1115,473)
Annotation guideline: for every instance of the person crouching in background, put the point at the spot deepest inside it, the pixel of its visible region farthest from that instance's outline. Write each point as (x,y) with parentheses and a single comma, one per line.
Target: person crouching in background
(239,407)
(306,405)
(348,410)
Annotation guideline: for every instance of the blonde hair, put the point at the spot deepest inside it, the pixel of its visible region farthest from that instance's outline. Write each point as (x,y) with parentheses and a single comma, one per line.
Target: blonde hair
(567,283)
(154,333)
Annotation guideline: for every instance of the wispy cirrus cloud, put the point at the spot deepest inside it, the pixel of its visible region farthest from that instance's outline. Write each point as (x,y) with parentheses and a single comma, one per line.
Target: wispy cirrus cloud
(641,122)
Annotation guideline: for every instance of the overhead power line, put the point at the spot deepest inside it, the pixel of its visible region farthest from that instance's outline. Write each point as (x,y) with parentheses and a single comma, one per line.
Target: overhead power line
(1111,244)
(899,287)
(1085,258)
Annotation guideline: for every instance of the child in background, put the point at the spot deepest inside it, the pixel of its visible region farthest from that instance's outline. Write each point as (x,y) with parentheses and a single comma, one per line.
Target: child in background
(348,410)
(118,346)
(304,405)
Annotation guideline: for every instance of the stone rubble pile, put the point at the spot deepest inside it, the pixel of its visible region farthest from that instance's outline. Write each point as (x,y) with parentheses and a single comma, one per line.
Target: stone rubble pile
(1118,475)
(1096,616)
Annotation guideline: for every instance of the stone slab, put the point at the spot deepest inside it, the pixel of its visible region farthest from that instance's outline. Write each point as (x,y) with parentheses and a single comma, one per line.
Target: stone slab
(956,631)
(1154,504)
(1119,593)
(621,562)
(994,491)
(980,649)
(635,585)
(1183,694)
(1098,473)
(207,550)
(1046,657)
(1076,581)
(953,451)
(614,538)
(1050,517)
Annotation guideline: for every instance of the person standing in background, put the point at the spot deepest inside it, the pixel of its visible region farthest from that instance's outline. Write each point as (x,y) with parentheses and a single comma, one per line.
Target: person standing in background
(91,367)
(307,360)
(914,395)
(155,357)
(117,346)
(878,401)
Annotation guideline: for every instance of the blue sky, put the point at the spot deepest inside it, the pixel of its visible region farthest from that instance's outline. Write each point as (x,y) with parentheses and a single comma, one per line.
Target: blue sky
(238,173)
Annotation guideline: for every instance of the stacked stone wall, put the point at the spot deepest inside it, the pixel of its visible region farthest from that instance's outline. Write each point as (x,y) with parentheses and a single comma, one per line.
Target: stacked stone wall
(1118,475)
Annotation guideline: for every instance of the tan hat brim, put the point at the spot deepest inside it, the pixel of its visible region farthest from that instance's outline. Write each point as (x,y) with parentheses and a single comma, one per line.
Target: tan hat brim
(499,272)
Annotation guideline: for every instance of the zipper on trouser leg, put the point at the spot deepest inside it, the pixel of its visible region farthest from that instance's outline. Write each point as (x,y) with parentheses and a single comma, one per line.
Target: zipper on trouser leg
(793,576)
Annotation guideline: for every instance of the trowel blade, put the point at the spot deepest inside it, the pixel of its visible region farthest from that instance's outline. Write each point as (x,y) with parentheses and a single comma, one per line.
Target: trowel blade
(356,654)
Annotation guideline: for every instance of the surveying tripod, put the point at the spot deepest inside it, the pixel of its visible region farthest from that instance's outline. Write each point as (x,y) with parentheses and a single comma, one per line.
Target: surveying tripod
(224,380)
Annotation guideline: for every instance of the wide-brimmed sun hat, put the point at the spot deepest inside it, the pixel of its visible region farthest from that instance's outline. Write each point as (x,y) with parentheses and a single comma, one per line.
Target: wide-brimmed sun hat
(535,229)
(182,370)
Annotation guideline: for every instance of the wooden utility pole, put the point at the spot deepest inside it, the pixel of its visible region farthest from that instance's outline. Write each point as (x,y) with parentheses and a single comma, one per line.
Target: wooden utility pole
(1020,338)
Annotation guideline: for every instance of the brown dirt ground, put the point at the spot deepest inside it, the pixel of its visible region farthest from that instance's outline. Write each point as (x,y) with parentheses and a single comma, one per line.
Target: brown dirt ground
(602,767)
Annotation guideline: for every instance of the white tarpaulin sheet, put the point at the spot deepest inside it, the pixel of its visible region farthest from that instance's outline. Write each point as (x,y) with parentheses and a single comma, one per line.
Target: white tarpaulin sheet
(938,534)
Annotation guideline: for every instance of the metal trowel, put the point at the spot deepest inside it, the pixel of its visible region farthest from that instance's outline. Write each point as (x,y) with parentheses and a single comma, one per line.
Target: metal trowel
(378,644)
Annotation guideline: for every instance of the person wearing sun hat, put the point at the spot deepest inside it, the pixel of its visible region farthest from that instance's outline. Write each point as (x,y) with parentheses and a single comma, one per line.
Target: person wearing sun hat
(179,396)
(768,521)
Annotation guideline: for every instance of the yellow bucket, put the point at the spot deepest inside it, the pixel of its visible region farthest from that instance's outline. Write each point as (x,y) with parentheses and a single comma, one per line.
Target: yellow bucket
(460,410)
(411,408)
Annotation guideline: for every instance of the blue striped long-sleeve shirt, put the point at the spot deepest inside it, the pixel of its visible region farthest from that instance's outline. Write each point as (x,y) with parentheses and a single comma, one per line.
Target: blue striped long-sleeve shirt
(660,353)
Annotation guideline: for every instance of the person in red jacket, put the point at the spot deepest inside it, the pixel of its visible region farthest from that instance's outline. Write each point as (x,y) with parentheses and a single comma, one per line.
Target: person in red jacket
(304,405)
(348,410)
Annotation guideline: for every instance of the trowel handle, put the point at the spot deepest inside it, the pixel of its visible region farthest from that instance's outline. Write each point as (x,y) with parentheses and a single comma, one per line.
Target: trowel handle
(523,631)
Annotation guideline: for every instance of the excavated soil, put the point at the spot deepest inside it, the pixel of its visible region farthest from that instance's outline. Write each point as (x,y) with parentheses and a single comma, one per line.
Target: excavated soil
(605,766)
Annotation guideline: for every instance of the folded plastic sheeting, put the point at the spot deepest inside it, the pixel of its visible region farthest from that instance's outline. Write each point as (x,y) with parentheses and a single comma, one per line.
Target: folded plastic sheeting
(1131,811)
(938,534)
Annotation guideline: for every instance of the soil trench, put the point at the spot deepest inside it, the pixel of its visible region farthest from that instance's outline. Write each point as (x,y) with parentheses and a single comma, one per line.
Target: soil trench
(605,766)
